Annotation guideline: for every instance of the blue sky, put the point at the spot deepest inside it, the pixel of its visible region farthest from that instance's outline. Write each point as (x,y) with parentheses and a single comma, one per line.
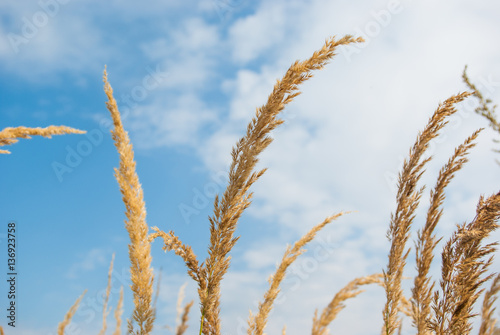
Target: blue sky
(188,76)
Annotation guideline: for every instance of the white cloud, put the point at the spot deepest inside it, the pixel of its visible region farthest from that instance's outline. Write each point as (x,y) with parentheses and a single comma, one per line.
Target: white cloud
(263,255)
(88,262)
(255,34)
(248,91)
(61,44)
(167,123)
(196,36)
(188,54)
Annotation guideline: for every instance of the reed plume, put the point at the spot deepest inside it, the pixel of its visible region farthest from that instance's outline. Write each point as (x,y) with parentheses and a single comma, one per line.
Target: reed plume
(484,109)
(141,272)
(426,241)
(257,323)
(12,135)
(407,199)
(183,326)
(488,322)
(236,198)
(69,315)
(118,314)
(330,312)
(465,262)
(105,310)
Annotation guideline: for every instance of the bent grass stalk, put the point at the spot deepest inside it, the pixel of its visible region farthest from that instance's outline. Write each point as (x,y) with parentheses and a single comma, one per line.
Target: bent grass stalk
(350,291)
(257,323)
(11,135)
(236,198)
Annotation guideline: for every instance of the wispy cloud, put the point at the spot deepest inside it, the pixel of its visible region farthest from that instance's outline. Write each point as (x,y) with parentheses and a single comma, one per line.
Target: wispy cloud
(88,262)
(170,123)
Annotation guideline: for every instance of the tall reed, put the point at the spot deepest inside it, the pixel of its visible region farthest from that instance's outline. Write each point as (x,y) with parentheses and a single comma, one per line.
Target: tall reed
(236,198)
(141,272)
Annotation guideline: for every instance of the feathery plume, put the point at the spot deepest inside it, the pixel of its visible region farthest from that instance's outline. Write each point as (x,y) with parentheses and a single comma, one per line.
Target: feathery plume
(139,247)
(11,135)
(407,199)
(426,241)
(484,109)
(183,326)
(257,323)
(330,312)
(105,310)
(236,198)
(69,315)
(173,243)
(487,320)
(118,314)
(464,265)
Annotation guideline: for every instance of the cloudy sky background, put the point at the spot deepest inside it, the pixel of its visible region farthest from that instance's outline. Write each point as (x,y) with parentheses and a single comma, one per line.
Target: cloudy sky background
(188,76)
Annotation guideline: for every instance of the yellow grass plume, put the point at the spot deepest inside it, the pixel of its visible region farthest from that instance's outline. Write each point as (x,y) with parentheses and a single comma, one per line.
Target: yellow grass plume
(139,248)
(11,135)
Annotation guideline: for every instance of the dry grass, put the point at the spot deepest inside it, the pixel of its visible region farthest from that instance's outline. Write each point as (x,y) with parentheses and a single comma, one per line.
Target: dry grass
(408,198)
(105,310)
(485,108)
(464,265)
(69,315)
(256,324)
(488,321)
(10,135)
(236,198)
(330,312)
(435,307)
(426,240)
(141,272)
